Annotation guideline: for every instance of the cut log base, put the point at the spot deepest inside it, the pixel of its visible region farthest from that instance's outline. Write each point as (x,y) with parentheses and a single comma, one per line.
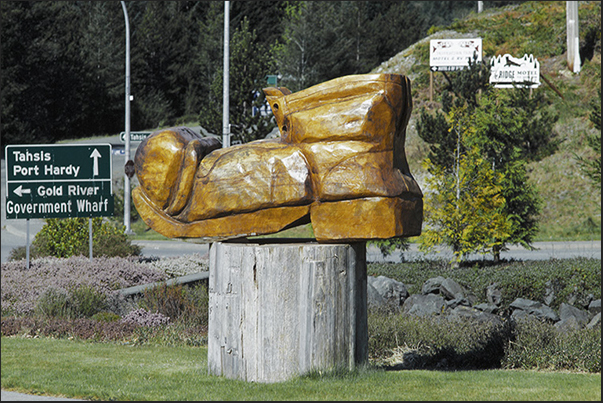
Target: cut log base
(281,310)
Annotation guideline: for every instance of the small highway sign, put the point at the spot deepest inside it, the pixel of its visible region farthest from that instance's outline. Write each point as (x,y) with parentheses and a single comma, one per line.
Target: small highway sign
(59,181)
(134,136)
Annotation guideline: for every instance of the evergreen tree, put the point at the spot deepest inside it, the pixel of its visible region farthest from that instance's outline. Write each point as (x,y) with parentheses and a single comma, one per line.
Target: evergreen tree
(392,27)
(165,76)
(45,83)
(328,39)
(592,166)
(247,78)
(308,39)
(464,209)
(209,59)
(511,127)
(103,50)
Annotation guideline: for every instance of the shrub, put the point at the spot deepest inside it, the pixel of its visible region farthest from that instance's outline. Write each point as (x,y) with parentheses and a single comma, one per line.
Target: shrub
(82,328)
(180,265)
(21,287)
(143,317)
(187,304)
(105,316)
(81,301)
(54,302)
(539,345)
(437,342)
(86,301)
(70,237)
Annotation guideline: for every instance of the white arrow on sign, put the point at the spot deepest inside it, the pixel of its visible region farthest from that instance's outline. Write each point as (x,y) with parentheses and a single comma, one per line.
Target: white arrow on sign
(96,155)
(20,191)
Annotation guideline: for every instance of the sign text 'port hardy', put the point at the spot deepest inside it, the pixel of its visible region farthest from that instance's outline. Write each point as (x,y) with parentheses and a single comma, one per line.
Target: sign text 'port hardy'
(59,181)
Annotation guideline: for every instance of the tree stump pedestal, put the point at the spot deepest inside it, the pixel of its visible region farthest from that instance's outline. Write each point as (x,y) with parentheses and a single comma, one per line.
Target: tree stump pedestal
(280,310)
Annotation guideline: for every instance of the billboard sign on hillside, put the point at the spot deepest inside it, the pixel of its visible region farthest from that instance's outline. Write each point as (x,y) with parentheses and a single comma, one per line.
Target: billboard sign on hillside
(454,54)
(508,72)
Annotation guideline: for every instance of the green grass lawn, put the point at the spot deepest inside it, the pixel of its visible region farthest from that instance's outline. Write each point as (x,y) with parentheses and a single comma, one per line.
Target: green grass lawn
(110,371)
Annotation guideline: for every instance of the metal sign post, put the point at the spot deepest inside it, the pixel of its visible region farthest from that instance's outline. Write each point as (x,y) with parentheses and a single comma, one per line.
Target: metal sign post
(573,37)
(225,88)
(127,134)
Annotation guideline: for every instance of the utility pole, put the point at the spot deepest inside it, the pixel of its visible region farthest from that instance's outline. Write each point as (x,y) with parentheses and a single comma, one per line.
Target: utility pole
(127,151)
(573,37)
(225,95)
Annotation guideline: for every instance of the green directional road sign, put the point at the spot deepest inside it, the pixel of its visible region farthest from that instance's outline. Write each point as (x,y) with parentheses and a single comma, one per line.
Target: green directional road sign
(134,136)
(59,181)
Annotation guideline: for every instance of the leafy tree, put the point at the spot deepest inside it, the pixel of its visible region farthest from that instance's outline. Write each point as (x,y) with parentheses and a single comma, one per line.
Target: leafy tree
(511,127)
(388,246)
(464,208)
(69,237)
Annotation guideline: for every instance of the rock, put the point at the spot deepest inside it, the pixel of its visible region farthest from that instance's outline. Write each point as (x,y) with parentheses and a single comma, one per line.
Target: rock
(453,303)
(594,307)
(488,308)
(567,311)
(391,291)
(424,305)
(450,289)
(464,312)
(568,324)
(519,315)
(549,293)
(534,308)
(373,297)
(595,321)
(576,298)
(494,295)
(446,287)
(432,286)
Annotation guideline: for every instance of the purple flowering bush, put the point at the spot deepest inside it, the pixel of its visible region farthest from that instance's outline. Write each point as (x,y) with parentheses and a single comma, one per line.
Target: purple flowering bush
(78,298)
(22,287)
(143,317)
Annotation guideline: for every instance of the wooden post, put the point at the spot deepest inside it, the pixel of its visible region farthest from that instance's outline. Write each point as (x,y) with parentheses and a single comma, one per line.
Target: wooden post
(430,86)
(280,310)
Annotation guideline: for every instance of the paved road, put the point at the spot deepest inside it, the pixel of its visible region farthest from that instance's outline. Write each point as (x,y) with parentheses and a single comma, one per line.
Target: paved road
(22,397)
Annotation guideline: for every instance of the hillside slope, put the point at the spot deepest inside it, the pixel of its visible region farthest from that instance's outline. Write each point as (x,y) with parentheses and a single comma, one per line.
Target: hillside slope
(571,208)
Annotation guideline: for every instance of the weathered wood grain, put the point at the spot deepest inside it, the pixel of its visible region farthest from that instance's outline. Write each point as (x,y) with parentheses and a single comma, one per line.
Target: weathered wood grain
(281,310)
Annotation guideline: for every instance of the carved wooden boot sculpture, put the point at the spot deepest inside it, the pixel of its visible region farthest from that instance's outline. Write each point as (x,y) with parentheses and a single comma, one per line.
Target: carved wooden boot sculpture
(339,164)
